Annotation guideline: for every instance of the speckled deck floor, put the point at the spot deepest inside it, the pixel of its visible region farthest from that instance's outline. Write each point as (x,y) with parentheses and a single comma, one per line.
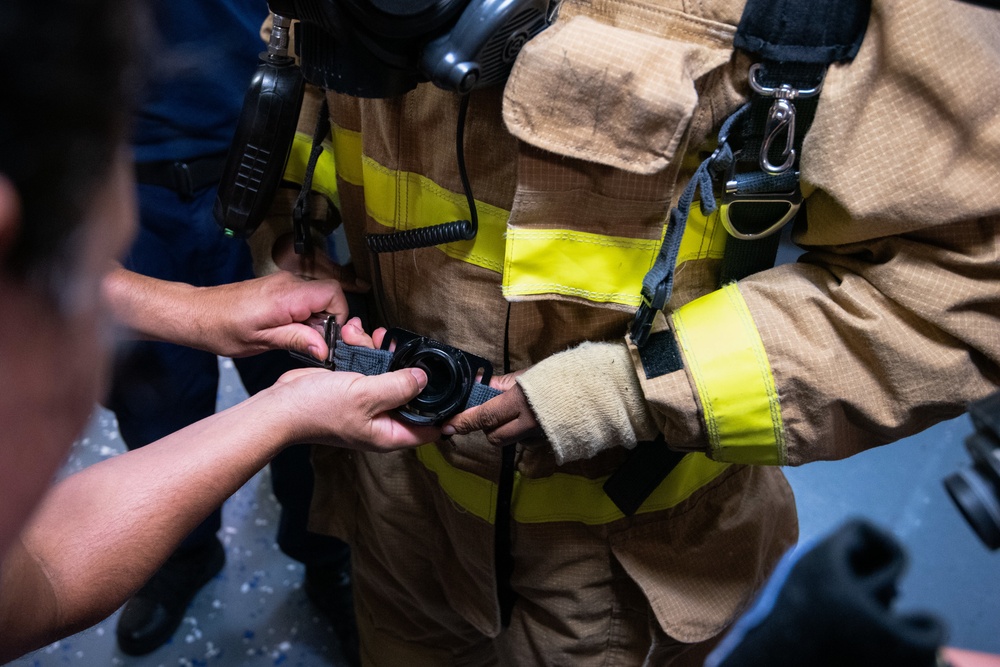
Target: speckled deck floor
(254,613)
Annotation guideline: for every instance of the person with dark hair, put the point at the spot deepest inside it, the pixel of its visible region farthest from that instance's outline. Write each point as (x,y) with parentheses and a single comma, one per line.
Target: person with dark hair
(73,553)
(206,53)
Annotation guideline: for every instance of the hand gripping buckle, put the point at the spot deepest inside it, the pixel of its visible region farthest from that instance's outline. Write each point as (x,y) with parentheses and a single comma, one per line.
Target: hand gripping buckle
(326,325)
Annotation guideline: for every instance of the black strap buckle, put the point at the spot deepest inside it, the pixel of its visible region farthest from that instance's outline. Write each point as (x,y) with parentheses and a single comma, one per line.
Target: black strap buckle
(643,322)
(736,194)
(183,183)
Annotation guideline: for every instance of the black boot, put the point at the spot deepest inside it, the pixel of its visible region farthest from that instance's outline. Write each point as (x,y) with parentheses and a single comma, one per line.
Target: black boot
(153,614)
(330,590)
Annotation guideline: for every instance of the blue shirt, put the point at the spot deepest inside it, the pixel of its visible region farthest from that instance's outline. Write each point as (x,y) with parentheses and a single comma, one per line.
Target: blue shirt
(203,65)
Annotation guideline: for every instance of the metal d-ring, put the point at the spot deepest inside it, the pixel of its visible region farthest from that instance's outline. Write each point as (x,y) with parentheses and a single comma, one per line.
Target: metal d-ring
(731,195)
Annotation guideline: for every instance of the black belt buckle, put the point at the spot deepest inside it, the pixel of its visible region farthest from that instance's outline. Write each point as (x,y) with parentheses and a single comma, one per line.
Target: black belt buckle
(643,322)
(183,183)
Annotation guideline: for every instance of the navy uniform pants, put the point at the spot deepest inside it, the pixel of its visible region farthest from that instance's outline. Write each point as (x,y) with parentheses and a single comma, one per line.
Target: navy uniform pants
(159,388)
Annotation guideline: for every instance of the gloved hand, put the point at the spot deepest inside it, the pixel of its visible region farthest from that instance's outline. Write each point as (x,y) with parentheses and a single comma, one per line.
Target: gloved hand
(831,605)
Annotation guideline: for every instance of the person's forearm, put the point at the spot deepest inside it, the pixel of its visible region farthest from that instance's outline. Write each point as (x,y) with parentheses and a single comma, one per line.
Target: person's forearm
(102,532)
(232,320)
(152,309)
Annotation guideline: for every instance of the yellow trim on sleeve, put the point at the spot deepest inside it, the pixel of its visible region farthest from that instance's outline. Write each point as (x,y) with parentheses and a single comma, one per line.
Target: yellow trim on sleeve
(735,384)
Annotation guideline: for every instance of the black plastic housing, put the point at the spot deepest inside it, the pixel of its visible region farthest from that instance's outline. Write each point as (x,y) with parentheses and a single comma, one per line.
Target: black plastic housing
(451,374)
(260,147)
(976,489)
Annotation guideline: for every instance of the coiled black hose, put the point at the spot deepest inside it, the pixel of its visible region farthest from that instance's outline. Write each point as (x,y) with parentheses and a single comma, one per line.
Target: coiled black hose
(446,232)
(423,237)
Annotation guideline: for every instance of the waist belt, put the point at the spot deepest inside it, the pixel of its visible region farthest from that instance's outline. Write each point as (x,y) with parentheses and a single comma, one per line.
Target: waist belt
(184,178)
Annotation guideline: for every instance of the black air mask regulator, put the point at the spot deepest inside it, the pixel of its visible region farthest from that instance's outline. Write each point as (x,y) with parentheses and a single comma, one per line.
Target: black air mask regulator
(371,49)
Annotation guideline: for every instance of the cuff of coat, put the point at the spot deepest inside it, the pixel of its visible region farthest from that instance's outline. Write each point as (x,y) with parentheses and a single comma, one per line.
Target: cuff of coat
(722,397)
(672,400)
(670,396)
(588,399)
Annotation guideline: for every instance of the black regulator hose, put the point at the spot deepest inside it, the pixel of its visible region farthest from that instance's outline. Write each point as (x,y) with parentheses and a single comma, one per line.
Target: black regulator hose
(446,232)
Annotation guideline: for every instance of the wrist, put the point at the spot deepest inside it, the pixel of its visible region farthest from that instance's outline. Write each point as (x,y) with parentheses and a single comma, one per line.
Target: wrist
(151,308)
(276,416)
(588,399)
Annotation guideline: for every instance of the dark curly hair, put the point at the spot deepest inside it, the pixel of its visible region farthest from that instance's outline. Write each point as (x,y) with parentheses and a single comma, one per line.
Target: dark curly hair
(68,84)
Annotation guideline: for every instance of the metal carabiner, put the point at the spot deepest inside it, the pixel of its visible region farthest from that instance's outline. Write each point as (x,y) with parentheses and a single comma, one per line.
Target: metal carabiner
(780,119)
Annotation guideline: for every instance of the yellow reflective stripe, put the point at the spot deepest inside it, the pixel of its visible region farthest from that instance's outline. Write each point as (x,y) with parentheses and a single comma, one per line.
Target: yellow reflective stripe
(325,175)
(599,268)
(704,238)
(724,351)
(618,263)
(473,493)
(347,150)
(405,200)
(562,497)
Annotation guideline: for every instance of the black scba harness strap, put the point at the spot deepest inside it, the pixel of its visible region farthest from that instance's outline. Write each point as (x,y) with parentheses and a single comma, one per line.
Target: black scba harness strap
(761,190)
(756,169)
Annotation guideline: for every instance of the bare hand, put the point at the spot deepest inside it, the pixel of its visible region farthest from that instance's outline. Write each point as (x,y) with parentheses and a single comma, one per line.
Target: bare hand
(253,316)
(354,334)
(353,410)
(505,419)
(963,658)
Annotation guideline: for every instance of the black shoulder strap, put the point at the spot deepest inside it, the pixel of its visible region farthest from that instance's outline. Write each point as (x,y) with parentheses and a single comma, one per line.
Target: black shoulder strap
(795,45)
(796,40)
(819,32)
(757,157)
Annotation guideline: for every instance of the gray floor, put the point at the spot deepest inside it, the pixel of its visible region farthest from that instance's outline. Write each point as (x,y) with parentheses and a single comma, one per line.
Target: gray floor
(255,614)
(899,487)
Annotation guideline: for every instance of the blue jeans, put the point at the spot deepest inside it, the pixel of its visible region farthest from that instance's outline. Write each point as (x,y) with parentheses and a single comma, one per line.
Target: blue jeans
(159,388)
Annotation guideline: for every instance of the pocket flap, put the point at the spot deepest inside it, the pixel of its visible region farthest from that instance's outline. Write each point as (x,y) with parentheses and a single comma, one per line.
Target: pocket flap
(604,94)
(700,567)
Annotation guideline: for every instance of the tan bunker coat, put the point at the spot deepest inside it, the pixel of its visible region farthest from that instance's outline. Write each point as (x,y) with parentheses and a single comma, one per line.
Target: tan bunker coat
(886,325)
